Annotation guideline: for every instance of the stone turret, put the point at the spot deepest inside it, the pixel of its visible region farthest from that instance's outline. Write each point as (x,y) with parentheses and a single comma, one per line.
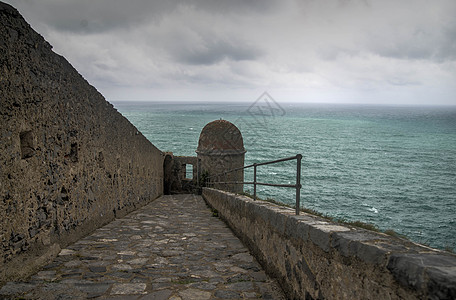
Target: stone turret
(221,148)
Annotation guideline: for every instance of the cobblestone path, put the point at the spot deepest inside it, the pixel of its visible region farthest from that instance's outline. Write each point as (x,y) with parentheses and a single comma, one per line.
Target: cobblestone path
(172,248)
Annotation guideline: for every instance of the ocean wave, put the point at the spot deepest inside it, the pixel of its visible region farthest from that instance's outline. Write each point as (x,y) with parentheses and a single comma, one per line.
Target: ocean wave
(373,209)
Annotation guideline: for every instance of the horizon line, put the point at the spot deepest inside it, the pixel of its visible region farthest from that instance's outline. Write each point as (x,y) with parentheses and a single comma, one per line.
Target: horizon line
(284,102)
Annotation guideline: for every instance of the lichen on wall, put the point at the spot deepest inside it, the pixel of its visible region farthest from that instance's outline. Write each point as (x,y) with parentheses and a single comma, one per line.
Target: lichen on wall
(69,162)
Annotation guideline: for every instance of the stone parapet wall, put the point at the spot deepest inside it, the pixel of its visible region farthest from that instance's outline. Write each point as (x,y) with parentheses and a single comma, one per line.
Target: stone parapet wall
(314,258)
(69,162)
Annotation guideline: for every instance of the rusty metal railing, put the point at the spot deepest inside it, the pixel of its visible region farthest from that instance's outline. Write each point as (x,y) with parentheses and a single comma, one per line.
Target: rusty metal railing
(297,186)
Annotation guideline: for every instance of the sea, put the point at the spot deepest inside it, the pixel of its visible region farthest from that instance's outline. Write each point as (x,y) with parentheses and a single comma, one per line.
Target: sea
(391,166)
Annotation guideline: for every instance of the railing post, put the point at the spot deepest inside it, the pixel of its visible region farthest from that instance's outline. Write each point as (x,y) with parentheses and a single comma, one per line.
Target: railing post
(254,180)
(298,182)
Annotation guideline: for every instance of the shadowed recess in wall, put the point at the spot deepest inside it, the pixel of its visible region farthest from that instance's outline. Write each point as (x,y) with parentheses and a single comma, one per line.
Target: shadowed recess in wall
(27,148)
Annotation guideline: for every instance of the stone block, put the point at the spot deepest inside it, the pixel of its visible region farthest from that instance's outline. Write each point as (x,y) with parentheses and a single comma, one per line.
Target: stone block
(360,244)
(433,274)
(277,219)
(407,269)
(250,206)
(297,228)
(13,288)
(442,282)
(128,289)
(261,212)
(320,237)
(93,289)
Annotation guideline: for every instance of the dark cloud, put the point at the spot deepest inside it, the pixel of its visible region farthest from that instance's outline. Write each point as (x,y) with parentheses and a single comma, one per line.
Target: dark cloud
(439,46)
(235,6)
(94,16)
(305,49)
(447,48)
(213,50)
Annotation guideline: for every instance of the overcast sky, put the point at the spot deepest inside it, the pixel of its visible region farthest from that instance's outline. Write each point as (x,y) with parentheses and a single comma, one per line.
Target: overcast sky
(364,51)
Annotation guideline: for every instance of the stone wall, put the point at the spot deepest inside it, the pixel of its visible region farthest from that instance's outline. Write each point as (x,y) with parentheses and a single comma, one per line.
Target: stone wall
(69,162)
(316,259)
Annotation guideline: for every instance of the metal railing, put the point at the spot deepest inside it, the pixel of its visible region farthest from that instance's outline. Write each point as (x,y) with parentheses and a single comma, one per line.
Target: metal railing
(297,186)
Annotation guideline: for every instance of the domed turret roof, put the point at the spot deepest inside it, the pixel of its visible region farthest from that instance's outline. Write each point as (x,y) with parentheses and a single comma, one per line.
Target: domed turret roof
(220,136)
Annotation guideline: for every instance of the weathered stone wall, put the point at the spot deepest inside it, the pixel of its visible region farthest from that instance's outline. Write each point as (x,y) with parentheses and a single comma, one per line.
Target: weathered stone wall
(69,162)
(316,259)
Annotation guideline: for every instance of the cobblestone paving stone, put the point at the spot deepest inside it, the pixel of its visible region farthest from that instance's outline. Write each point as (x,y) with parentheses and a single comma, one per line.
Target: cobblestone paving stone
(172,248)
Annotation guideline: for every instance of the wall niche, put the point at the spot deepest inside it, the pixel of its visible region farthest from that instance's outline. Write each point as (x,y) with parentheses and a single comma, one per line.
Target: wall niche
(27,147)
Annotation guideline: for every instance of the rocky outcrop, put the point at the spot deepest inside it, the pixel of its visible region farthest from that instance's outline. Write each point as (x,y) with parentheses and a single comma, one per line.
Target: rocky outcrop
(69,162)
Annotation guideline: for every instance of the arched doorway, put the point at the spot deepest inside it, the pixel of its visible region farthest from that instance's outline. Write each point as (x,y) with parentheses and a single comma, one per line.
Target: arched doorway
(167,173)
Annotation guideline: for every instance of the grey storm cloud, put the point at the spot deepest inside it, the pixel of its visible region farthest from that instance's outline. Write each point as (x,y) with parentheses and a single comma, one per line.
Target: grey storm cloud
(214,50)
(105,15)
(437,44)
(296,49)
(88,16)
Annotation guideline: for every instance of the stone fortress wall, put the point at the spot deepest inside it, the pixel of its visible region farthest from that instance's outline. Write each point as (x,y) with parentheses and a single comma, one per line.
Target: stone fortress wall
(314,258)
(69,162)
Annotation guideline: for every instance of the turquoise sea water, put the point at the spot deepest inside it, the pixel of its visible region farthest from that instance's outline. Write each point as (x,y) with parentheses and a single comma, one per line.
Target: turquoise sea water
(391,166)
